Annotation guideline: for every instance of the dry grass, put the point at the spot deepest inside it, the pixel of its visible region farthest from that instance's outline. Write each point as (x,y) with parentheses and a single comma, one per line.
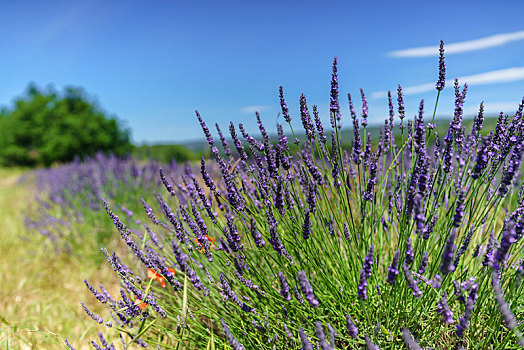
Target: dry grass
(40,291)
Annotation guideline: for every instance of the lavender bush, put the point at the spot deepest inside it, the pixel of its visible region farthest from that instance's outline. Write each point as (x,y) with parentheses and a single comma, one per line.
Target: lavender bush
(70,196)
(415,239)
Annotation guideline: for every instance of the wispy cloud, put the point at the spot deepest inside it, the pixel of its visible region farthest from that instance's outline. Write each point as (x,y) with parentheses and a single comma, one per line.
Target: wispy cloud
(494,107)
(463,46)
(253,109)
(492,77)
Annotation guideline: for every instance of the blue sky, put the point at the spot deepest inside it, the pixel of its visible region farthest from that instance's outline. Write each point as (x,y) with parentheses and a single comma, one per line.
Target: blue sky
(153,63)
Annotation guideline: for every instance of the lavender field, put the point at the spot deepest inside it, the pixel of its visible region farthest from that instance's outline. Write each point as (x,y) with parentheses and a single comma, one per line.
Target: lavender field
(411,239)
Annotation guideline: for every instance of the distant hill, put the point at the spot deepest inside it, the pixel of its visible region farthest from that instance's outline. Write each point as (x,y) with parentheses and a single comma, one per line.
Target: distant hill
(193,150)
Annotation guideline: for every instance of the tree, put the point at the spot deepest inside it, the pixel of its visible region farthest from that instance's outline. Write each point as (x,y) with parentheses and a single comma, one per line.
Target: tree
(45,127)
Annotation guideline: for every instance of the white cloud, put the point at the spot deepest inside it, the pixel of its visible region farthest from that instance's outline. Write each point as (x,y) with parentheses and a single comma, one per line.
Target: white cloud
(253,109)
(463,46)
(492,77)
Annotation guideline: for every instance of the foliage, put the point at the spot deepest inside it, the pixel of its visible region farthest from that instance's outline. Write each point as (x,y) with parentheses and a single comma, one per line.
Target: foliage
(70,213)
(46,127)
(166,153)
(415,241)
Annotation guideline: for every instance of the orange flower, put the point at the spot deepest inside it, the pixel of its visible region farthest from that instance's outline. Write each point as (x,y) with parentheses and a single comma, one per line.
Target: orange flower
(140,304)
(210,239)
(153,274)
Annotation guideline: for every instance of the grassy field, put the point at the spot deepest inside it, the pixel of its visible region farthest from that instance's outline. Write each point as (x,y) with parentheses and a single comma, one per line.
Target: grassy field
(41,291)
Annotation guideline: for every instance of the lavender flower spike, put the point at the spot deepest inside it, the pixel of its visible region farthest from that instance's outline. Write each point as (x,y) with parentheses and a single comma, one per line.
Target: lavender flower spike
(507,315)
(441,82)
(321,335)
(364,109)
(393,268)
(306,344)
(68,344)
(352,329)
(230,337)
(362,284)
(508,238)
(306,288)
(409,340)
(283,105)
(444,310)
(369,344)
(417,293)
(284,287)
(446,265)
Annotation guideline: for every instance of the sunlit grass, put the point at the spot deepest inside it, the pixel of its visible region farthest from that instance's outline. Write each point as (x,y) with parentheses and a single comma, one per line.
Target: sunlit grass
(40,290)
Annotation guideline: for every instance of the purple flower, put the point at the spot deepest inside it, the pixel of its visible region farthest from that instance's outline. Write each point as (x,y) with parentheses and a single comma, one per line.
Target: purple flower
(362,284)
(444,310)
(357,144)
(283,105)
(368,262)
(411,343)
(488,258)
(91,314)
(288,333)
(306,344)
(513,167)
(350,325)
(401,110)
(284,287)
(448,151)
(478,121)
(423,264)
(507,315)
(320,127)
(332,334)
(430,227)
(68,344)
(412,284)
(309,128)
(410,254)
(446,265)
(364,109)
(436,282)
(459,209)
(441,82)
(97,295)
(368,194)
(335,171)
(463,324)
(369,344)
(465,245)
(257,237)
(306,226)
(482,158)
(235,344)
(321,335)
(238,146)
(334,107)
(346,232)
(209,138)
(393,268)
(306,288)
(183,262)
(508,238)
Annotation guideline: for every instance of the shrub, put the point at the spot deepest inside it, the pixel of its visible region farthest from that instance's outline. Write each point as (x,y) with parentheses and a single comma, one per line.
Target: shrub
(70,196)
(46,127)
(418,243)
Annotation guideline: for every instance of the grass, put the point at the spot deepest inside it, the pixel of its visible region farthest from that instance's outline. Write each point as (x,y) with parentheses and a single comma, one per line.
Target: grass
(40,292)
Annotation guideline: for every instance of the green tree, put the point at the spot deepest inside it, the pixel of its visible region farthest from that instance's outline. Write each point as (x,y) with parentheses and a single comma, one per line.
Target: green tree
(44,127)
